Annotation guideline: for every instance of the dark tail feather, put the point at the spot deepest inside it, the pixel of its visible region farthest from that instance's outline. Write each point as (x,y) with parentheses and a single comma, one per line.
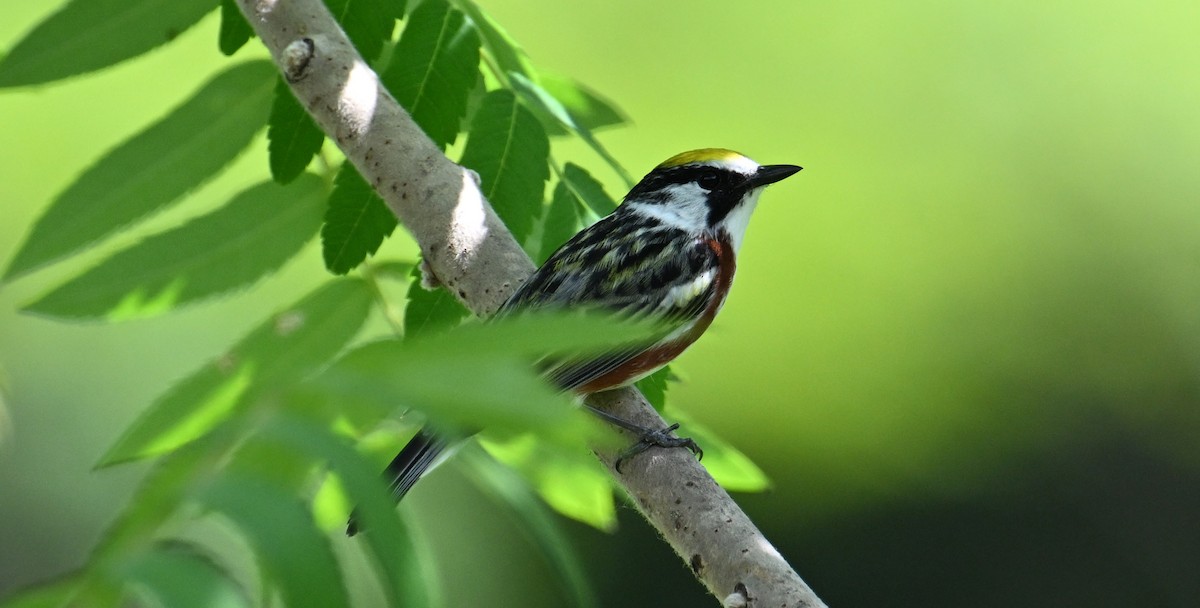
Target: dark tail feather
(406,468)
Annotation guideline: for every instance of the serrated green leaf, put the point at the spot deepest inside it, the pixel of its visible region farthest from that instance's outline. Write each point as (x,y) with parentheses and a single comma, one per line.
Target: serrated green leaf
(293,553)
(587,190)
(552,110)
(235,32)
(368,23)
(180,576)
(557,548)
(231,248)
(155,167)
(509,150)
(727,464)
(430,311)
(293,139)
(356,222)
(86,35)
(654,387)
(388,540)
(433,69)
(561,223)
(285,348)
(588,108)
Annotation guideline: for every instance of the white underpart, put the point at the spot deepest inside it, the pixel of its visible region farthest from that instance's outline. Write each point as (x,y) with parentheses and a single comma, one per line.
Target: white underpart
(735,223)
(689,291)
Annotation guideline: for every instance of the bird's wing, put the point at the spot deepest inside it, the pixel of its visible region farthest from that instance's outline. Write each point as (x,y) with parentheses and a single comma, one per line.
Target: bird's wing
(635,269)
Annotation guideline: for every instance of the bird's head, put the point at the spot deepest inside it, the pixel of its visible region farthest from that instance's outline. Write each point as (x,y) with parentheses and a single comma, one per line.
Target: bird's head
(712,189)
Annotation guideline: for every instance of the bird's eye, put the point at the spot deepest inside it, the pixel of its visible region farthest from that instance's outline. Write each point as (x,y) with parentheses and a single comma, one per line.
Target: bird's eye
(710,180)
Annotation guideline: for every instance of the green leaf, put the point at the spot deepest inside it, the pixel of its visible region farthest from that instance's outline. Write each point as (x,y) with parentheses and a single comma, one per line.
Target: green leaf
(553,110)
(728,465)
(251,236)
(368,23)
(155,167)
(180,576)
(86,35)
(283,349)
(509,55)
(293,138)
(586,107)
(57,594)
(293,553)
(587,190)
(509,150)
(433,69)
(539,524)
(388,539)
(235,32)
(570,480)
(430,311)
(356,222)
(562,221)
(654,388)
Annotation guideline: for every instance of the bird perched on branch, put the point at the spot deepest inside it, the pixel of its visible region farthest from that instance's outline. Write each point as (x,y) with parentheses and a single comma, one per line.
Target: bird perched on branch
(668,252)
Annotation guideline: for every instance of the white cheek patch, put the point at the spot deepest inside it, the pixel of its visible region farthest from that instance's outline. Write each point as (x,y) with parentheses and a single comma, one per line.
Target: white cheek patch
(686,209)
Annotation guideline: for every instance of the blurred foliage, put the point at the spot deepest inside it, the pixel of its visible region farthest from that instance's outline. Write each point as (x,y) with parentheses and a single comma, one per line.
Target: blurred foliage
(963,346)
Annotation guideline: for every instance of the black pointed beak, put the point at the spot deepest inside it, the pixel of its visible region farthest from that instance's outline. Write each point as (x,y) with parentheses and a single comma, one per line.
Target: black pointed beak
(769,174)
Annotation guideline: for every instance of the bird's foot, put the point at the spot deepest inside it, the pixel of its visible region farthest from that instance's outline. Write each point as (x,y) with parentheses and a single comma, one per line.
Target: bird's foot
(658,439)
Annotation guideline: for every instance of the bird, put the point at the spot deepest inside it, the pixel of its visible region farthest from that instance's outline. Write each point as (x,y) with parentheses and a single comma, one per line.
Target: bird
(668,252)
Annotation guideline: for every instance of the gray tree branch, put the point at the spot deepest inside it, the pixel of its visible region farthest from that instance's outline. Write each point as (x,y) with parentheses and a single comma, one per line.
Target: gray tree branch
(474,256)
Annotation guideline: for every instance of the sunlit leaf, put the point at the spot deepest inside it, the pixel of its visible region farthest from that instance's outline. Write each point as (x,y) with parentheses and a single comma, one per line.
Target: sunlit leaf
(562,220)
(570,480)
(557,548)
(654,387)
(180,576)
(154,167)
(251,236)
(356,222)
(294,554)
(86,35)
(235,32)
(509,149)
(586,107)
(282,350)
(728,465)
(293,139)
(509,55)
(433,69)
(430,311)
(368,23)
(548,106)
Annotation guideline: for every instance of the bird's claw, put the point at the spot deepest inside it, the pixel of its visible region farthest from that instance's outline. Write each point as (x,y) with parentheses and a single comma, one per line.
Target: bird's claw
(660,439)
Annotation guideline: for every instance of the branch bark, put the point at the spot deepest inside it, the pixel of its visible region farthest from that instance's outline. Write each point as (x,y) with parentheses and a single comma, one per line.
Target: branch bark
(470,251)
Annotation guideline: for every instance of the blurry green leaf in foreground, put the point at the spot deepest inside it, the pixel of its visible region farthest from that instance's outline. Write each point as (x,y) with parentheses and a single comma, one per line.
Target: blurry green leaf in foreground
(292,136)
(549,536)
(154,167)
(433,69)
(728,465)
(252,235)
(294,554)
(282,350)
(589,110)
(86,35)
(430,310)
(181,577)
(356,222)
(48,595)
(509,150)
(479,375)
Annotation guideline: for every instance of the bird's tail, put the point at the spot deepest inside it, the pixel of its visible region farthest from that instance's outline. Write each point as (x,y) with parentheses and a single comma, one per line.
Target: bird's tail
(407,467)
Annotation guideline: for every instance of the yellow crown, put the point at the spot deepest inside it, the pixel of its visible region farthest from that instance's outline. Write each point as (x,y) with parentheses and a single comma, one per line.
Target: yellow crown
(703,155)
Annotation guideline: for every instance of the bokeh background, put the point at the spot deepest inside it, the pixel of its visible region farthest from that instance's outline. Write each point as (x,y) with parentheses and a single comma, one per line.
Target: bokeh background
(964,343)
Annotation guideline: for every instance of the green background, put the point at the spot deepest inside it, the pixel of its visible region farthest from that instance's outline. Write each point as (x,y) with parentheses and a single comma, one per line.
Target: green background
(964,342)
